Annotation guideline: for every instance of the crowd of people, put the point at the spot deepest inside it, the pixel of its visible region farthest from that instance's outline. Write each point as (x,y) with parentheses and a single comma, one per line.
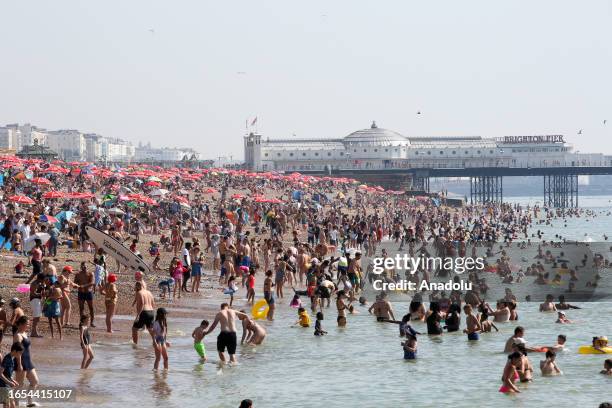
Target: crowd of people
(271,235)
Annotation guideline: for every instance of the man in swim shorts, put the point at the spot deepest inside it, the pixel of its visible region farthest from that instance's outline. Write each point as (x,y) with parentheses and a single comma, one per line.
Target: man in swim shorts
(86,281)
(227,339)
(473,324)
(145,306)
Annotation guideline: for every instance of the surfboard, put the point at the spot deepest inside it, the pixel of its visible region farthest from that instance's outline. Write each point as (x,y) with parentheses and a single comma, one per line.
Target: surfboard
(116,249)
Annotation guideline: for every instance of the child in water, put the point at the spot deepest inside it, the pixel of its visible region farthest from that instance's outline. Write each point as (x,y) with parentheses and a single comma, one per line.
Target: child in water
(549,366)
(198,337)
(410,346)
(160,345)
(231,289)
(303,318)
(318,327)
(600,343)
(296,302)
(607,367)
(85,342)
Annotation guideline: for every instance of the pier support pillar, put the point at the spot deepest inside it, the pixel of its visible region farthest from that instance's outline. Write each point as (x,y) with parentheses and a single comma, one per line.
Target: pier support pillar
(561,190)
(420,183)
(486,189)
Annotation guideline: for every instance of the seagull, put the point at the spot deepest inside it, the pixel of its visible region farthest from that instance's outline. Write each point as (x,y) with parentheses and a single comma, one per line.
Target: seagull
(241,73)
(605,120)
(418,112)
(152,30)
(580,132)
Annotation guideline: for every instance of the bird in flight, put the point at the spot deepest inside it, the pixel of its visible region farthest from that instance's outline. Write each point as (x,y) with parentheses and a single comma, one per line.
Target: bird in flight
(241,73)
(152,30)
(605,120)
(580,132)
(418,112)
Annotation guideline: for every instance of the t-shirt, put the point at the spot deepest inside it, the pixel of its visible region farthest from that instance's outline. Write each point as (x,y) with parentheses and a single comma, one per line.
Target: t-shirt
(186,256)
(8,366)
(251,282)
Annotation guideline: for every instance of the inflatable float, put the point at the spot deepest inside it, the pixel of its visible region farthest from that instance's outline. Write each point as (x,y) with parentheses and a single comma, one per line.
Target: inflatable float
(260,309)
(592,350)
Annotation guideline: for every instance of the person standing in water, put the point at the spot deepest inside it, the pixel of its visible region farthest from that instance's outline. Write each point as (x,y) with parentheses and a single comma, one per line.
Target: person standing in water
(342,307)
(198,340)
(382,309)
(473,324)
(145,305)
(25,368)
(85,337)
(160,343)
(511,375)
(226,339)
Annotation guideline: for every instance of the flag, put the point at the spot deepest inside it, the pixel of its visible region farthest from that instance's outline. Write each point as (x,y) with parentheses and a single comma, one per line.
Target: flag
(254,121)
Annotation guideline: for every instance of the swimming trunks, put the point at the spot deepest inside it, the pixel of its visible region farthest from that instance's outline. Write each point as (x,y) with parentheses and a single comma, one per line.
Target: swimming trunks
(269,297)
(85,296)
(473,336)
(145,318)
(409,355)
(381,319)
(200,349)
(196,269)
(227,340)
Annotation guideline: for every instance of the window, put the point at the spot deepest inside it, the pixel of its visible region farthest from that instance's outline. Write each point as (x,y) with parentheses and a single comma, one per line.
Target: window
(329,153)
(355,150)
(341,153)
(375,150)
(429,152)
(454,152)
(365,150)
(490,151)
(316,154)
(441,152)
(278,154)
(304,154)
(386,150)
(266,154)
(291,154)
(478,152)
(466,152)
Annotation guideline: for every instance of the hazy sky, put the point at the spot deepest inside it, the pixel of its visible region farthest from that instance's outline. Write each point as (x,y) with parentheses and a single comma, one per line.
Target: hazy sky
(313,68)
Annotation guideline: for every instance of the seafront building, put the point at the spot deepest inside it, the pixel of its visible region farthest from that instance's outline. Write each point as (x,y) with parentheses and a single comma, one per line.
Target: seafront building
(378,148)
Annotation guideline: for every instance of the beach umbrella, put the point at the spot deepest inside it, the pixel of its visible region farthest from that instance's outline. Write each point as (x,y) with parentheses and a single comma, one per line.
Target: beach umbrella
(53,194)
(237,196)
(154,179)
(47,218)
(210,190)
(29,243)
(41,180)
(153,184)
(19,199)
(182,200)
(116,211)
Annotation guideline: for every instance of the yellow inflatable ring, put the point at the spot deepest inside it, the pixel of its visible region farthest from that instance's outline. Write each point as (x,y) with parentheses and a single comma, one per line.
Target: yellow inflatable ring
(591,350)
(260,309)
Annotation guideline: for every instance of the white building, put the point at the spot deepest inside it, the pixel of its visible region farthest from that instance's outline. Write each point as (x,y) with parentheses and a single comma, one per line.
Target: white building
(10,138)
(375,148)
(144,153)
(102,148)
(70,144)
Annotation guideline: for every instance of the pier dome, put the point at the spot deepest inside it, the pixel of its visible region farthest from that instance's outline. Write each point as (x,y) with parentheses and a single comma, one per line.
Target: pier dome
(375,136)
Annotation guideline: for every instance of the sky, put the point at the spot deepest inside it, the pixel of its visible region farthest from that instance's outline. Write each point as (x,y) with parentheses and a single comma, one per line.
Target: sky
(191,73)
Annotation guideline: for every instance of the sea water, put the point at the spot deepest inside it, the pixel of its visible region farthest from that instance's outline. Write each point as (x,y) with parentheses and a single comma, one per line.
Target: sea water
(360,365)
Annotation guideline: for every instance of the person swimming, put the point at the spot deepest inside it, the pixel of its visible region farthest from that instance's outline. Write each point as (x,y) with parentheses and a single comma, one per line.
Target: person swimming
(303,318)
(549,366)
(607,367)
(600,343)
(561,318)
(433,319)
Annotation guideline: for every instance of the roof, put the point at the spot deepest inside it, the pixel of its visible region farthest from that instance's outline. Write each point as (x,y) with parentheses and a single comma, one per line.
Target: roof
(375,136)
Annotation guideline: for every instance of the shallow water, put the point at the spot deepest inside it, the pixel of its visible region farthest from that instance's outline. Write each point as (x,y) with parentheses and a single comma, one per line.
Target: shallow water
(360,365)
